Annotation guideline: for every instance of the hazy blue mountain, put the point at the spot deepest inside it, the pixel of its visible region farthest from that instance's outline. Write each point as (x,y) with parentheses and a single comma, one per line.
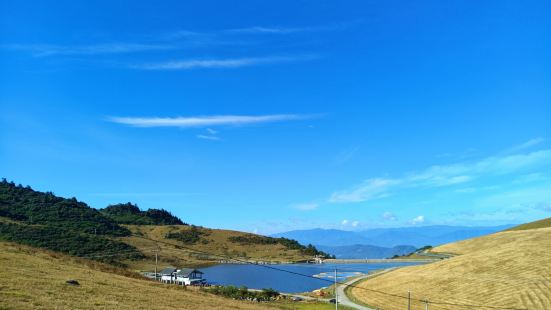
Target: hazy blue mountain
(390,237)
(366,251)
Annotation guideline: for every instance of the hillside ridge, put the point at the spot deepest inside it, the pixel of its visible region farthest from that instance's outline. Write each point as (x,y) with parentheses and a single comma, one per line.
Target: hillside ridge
(66,225)
(505,269)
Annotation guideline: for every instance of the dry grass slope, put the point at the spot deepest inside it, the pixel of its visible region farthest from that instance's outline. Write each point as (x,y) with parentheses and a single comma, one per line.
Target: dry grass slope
(35,279)
(216,241)
(506,269)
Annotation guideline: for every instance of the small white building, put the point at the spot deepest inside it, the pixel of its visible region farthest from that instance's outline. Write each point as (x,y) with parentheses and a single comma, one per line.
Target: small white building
(188,276)
(182,276)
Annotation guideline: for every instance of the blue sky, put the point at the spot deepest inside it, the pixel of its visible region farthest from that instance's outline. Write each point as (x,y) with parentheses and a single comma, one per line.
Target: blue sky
(269,116)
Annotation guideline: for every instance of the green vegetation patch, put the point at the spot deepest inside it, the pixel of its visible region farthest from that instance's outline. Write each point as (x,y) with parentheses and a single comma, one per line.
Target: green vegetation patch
(242,293)
(128,213)
(288,243)
(69,242)
(190,236)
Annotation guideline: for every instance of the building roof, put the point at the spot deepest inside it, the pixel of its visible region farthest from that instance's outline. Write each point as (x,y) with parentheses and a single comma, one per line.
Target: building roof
(168,271)
(187,271)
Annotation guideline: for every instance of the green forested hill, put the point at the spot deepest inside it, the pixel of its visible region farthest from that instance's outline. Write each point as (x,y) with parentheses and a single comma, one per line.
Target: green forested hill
(65,225)
(28,206)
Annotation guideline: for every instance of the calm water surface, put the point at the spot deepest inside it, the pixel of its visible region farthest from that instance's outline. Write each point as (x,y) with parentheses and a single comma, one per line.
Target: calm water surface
(257,276)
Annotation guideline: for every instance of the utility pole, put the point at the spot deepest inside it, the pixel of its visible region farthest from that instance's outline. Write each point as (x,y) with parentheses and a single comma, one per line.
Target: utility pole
(426,304)
(156,251)
(336,292)
(409,299)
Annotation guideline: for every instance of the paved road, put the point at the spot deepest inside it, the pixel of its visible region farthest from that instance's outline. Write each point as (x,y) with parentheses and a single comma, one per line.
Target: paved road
(344,300)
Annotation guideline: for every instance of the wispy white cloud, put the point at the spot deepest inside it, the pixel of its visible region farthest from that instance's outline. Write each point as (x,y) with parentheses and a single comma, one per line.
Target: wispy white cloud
(346,155)
(207,137)
(418,220)
(211,131)
(526,145)
(530,178)
(290,30)
(443,175)
(521,197)
(177,39)
(348,223)
(368,190)
(273,30)
(472,189)
(227,63)
(305,206)
(95,49)
(544,206)
(389,216)
(206,121)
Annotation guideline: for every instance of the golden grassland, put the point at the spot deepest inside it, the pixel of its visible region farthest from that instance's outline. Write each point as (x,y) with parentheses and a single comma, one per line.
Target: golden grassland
(214,241)
(506,269)
(35,279)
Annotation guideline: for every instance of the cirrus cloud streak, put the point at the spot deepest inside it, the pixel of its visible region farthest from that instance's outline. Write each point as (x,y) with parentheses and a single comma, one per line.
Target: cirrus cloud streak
(224,63)
(206,121)
(443,175)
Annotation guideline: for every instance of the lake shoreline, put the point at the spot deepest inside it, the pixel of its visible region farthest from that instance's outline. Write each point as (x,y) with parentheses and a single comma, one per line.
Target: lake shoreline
(292,278)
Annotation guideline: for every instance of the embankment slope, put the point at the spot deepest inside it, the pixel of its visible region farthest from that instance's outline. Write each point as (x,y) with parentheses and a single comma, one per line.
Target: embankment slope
(509,269)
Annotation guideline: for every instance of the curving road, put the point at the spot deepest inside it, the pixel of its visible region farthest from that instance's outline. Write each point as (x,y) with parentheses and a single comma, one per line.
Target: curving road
(343,298)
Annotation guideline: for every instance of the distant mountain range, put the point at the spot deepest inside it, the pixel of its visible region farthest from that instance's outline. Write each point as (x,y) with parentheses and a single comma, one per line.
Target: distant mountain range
(366,251)
(390,237)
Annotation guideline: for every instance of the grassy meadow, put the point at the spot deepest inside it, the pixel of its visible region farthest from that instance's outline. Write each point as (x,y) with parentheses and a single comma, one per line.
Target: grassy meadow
(506,269)
(212,241)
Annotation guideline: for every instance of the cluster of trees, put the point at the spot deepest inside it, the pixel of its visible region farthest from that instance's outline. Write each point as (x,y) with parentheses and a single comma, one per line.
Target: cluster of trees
(242,293)
(288,243)
(425,248)
(129,213)
(59,224)
(26,205)
(189,236)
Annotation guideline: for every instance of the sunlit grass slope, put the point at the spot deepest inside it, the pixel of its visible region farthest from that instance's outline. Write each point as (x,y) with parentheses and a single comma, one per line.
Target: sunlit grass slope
(35,279)
(215,241)
(506,269)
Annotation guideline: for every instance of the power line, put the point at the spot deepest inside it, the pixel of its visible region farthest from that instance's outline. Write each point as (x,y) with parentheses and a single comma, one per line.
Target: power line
(330,281)
(116,253)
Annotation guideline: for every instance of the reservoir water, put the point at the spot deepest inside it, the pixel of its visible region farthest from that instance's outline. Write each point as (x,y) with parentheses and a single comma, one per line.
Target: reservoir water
(264,276)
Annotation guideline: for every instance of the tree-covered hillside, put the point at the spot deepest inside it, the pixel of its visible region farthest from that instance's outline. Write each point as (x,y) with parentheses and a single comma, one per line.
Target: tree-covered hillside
(128,213)
(26,205)
(59,224)
(42,219)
